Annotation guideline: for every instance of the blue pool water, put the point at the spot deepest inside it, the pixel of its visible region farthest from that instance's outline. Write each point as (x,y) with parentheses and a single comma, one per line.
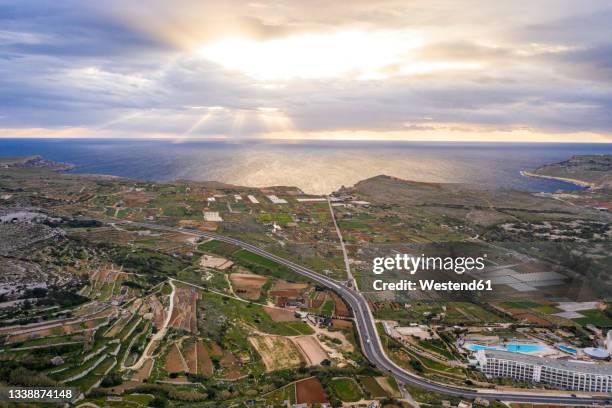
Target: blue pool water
(524,348)
(567,349)
(511,347)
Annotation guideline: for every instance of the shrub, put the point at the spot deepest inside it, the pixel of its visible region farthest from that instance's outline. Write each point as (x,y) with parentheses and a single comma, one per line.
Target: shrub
(158,402)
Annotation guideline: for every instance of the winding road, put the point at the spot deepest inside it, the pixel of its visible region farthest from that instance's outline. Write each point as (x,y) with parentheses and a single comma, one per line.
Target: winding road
(150,348)
(370,340)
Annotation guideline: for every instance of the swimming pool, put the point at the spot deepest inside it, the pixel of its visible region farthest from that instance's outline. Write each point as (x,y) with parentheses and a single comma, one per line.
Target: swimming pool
(511,347)
(567,349)
(524,348)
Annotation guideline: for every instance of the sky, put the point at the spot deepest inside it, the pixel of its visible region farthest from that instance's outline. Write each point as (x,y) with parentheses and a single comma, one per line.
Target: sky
(293,70)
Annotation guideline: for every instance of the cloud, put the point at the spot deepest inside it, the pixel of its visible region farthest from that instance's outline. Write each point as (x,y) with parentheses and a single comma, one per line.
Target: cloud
(137,69)
(592,63)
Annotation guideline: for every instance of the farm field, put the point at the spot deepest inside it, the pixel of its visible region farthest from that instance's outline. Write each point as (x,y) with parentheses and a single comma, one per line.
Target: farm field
(346,389)
(252,315)
(277,352)
(372,387)
(184,315)
(204,363)
(279,396)
(281,315)
(594,317)
(310,391)
(175,362)
(311,350)
(247,286)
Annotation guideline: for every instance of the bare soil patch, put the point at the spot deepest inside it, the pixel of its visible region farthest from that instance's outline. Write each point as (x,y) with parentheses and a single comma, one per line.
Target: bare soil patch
(158,311)
(230,363)
(342,324)
(174,361)
(281,315)
(282,285)
(311,350)
(287,289)
(216,262)
(144,371)
(318,300)
(310,391)
(205,366)
(216,350)
(191,357)
(247,285)
(341,307)
(184,313)
(287,294)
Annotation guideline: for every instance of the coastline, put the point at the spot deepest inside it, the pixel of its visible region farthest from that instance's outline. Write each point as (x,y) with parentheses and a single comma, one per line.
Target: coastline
(567,180)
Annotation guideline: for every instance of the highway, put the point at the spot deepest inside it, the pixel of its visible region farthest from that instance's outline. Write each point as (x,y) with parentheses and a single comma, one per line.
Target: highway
(370,341)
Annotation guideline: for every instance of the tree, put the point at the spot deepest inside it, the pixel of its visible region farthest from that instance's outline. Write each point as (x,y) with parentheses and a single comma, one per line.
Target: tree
(417,366)
(158,402)
(111,380)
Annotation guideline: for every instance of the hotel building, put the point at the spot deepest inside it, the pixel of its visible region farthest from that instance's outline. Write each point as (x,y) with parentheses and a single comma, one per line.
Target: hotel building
(562,374)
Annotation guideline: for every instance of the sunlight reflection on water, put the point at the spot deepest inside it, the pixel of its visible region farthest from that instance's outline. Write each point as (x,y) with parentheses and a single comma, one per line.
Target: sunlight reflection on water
(319,167)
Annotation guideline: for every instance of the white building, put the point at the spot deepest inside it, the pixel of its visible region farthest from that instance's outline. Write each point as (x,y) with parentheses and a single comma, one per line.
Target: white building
(561,374)
(253,199)
(275,200)
(311,199)
(212,216)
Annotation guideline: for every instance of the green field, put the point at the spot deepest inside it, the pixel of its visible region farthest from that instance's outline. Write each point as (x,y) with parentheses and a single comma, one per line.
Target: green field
(594,317)
(431,398)
(250,314)
(140,399)
(47,341)
(250,260)
(456,313)
(218,247)
(547,309)
(520,304)
(278,397)
(437,346)
(460,312)
(281,218)
(346,389)
(327,309)
(372,387)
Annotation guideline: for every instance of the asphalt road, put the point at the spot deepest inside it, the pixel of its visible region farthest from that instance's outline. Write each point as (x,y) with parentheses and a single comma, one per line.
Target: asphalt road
(370,341)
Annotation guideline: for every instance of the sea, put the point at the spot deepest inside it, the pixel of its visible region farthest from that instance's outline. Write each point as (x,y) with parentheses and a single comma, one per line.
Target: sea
(315,167)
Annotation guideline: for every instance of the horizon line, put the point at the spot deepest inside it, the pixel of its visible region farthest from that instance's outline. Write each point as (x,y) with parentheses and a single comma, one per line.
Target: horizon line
(294,141)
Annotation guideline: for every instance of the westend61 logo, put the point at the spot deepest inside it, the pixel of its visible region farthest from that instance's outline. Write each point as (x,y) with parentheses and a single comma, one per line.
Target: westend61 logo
(412,264)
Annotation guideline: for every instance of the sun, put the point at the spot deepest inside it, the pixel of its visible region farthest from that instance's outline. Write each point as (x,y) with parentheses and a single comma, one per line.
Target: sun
(352,53)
